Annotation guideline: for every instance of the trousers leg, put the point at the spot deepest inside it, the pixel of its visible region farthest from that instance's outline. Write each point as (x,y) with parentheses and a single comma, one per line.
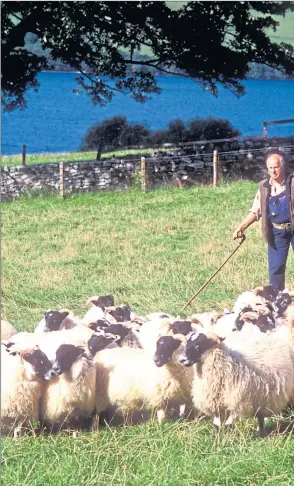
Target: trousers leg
(277,258)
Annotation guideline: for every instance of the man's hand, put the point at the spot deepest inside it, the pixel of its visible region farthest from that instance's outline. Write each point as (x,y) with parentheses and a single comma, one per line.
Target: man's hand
(239,233)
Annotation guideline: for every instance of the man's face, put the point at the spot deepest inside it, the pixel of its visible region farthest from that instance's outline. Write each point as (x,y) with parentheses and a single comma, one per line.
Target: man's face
(274,168)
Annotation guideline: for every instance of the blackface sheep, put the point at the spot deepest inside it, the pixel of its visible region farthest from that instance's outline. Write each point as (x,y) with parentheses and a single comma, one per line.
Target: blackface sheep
(101,301)
(168,350)
(117,314)
(69,397)
(230,384)
(264,323)
(22,383)
(52,321)
(129,381)
(101,341)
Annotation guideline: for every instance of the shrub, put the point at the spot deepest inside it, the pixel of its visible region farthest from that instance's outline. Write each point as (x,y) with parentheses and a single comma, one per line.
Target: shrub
(116,132)
(209,129)
(113,133)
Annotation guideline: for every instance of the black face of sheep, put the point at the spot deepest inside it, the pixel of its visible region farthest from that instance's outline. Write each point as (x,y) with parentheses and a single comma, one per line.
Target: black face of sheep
(196,346)
(268,292)
(165,347)
(120,314)
(53,319)
(97,343)
(182,327)
(99,325)
(103,301)
(66,355)
(265,323)
(282,302)
(119,330)
(39,362)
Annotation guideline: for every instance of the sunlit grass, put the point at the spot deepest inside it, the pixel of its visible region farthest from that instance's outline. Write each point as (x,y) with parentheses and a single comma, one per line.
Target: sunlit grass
(31,159)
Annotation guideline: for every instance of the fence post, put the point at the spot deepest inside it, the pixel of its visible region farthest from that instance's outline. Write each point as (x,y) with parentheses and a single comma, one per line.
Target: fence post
(144,174)
(24,153)
(61,179)
(215,169)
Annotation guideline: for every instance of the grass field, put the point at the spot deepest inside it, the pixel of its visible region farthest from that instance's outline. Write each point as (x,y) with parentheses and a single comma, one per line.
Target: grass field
(31,159)
(153,251)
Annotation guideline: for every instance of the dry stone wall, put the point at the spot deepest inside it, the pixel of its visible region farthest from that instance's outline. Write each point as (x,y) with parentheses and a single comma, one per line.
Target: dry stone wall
(184,166)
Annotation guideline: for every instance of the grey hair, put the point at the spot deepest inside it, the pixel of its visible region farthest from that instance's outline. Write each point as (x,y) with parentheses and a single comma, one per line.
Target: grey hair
(282,160)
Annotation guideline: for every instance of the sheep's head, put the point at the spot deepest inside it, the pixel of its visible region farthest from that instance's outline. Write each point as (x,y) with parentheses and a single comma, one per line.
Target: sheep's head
(99,325)
(53,319)
(101,301)
(35,363)
(267,292)
(98,342)
(119,330)
(66,355)
(282,303)
(197,346)
(264,322)
(181,327)
(165,347)
(118,314)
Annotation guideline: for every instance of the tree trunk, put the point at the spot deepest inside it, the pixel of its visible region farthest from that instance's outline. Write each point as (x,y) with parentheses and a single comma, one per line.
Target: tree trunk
(99,152)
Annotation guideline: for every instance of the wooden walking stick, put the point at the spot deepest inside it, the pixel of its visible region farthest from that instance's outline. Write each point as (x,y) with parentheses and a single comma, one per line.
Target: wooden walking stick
(210,278)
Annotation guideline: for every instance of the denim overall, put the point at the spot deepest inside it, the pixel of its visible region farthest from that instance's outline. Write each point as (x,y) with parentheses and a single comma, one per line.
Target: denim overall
(278,250)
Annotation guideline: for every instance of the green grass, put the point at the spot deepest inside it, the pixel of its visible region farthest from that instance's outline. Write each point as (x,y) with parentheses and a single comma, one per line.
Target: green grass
(31,159)
(153,251)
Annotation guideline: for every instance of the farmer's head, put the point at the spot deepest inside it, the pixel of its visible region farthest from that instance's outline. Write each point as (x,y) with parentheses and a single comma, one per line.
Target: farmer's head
(274,164)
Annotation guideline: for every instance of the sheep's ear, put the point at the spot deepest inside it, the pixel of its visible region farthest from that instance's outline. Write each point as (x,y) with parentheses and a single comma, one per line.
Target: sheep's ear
(195,320)
(258,290)
(91,300)
(65,312)
(217,316)
(213,337)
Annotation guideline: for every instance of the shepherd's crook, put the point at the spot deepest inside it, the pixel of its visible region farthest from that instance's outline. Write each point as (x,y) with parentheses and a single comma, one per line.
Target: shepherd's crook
(207,282)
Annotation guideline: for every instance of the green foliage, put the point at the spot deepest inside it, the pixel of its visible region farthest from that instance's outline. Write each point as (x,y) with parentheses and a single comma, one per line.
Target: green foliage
(117,132)
(113,133)
(209,129)
(153,250)
(211,42)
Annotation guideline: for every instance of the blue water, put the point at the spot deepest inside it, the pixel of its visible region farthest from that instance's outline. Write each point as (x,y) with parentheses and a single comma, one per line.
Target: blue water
(57,119)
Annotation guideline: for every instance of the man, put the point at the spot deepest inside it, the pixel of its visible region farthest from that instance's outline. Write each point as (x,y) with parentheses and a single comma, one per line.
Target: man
(274,203)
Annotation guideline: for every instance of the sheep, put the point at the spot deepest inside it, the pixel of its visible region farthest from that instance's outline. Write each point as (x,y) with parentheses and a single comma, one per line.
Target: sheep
(7,330)
(182,327)
(50,341)
(228,384)
(168,349)
(99,325)
(95,312)
(57,320)
(129,380)
(101,341)
(101,301)
(22,383)
(248,298)
(150,331)
(69,397)
(267,292)
(117,314)
(264,322)
(206,319)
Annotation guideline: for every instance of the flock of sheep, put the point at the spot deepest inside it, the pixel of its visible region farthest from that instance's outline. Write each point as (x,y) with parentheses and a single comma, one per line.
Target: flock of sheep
(228,366)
